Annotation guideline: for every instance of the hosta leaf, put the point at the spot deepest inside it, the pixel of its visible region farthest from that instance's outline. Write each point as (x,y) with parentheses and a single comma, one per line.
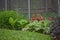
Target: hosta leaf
(11,21)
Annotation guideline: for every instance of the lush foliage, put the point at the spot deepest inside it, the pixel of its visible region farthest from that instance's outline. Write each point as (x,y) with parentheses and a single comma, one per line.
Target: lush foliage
(36,25)
(5,16)
(19,35)
(21,24)
(12,22)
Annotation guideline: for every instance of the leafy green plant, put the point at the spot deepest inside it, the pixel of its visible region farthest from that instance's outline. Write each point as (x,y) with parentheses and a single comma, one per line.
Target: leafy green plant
(46,25)
(33,26)
(39,26)
(12,22)
(21,24)
(4,18)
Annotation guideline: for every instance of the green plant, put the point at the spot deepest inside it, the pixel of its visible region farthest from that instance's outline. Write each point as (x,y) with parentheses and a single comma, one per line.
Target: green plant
(46,25)
(12,22)
(39,26)
(21,35)
(4,18)
(21,23)
(33,26)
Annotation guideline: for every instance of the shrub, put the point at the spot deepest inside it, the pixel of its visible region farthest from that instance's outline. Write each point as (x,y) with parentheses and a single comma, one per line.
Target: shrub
(42,26)
(21,23)
(4,18)
(33,25)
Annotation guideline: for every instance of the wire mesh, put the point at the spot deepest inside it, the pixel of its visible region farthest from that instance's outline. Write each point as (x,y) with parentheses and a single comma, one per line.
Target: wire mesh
(43,7)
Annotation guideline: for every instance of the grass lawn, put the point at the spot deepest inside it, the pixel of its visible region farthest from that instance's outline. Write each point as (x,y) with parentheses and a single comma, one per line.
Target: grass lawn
(19,35)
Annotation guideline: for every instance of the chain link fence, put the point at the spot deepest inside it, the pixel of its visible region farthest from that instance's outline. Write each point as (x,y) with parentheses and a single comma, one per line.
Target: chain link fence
(28,7)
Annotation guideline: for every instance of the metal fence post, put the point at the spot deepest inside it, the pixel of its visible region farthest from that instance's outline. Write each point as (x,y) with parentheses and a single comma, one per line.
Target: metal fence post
(58,8)
(46,6)
(5,4)
(29,9)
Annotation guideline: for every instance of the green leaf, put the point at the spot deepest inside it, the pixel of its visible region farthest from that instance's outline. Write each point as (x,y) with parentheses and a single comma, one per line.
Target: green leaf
(11,21)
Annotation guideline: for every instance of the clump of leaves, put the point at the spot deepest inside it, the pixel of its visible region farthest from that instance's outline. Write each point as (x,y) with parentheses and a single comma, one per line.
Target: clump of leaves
(12,22)
(21,23)
(37,26)
(46,25)
(4,18)
(9,17)
(33,26)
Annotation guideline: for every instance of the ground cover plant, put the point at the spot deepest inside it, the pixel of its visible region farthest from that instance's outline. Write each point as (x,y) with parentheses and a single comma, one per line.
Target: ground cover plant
(21,35)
